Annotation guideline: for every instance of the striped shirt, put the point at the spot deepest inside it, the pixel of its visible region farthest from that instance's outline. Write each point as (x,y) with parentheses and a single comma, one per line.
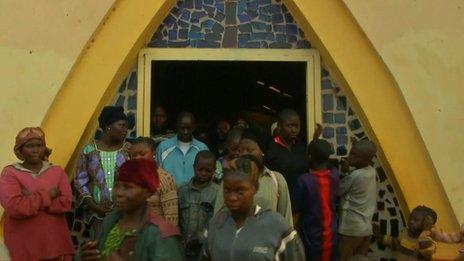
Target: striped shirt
(165,202)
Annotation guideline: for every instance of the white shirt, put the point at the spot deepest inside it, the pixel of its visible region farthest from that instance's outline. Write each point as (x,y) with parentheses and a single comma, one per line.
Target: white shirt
(184,146)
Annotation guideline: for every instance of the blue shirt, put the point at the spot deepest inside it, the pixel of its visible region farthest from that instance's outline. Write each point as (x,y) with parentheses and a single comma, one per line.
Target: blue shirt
(170,157)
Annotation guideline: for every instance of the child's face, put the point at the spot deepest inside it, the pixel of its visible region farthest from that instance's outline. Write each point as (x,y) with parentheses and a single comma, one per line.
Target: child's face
(142,151)
(239,193)
(233,149)
(416,223)
(290,128)
(204,170)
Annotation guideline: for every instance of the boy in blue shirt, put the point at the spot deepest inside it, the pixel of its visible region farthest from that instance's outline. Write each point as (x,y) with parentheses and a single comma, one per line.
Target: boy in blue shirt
(177,154)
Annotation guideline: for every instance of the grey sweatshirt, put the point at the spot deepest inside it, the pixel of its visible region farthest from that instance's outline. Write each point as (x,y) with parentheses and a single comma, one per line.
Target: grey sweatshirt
(264,236)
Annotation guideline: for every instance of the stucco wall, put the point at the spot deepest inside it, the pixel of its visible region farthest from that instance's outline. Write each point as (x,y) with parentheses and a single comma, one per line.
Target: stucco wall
(39,43)
(421,44)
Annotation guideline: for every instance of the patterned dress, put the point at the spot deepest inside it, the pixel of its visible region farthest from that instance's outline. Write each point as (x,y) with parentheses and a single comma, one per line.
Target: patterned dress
(94,178)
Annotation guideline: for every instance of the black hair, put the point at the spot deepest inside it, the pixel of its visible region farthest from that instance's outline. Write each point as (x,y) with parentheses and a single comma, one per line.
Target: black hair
(258,136)
(320,150)
(427,212)
(204,154)
(243,167)
(185,114)
(365,148)
(285,114)
(145,140)
(234,134)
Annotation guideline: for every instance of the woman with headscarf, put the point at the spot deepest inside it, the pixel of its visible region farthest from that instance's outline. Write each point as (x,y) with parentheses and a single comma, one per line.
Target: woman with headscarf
(273,191)
(96,168)
(132,231)
(35,195)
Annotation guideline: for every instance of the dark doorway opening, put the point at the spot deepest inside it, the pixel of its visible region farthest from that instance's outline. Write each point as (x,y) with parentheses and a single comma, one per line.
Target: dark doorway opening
(214,90)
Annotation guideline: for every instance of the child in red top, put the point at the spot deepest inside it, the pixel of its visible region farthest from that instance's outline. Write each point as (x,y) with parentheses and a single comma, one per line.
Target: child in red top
(36,196)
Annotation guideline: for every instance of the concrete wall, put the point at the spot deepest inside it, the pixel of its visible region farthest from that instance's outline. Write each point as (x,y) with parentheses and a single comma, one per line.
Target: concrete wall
(421,43)
(39,43)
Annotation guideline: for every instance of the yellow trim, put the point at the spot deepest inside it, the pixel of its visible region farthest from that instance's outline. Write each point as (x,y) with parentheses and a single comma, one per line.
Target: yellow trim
(310,57)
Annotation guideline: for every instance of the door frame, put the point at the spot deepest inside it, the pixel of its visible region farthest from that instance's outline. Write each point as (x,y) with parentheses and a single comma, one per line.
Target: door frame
(310,56)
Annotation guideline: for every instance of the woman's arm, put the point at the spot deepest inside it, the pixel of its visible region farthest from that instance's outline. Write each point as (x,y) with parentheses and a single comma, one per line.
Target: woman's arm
(62,203)
(18,205)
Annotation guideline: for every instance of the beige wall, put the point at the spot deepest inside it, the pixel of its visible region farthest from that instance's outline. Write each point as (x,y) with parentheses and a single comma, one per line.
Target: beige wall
(39,43)
(421,42)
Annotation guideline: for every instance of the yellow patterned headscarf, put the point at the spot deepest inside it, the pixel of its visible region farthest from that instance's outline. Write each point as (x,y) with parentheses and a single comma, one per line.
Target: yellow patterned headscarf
(26,135)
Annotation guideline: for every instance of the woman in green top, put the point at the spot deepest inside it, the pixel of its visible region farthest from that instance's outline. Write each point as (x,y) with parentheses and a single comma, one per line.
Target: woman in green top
(273,191)
(132,232)
(95,170)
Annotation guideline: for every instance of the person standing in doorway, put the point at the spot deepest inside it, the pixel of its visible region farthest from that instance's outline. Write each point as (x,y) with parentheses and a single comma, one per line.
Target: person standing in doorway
(287,151)
(159,125)
(177,154)
(222,129)
(97,166)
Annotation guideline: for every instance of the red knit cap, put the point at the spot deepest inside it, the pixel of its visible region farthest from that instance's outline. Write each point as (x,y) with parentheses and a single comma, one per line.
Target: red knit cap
(141,172)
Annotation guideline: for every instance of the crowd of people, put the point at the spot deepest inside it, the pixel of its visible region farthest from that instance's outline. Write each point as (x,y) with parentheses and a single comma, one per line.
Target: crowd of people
(181,195)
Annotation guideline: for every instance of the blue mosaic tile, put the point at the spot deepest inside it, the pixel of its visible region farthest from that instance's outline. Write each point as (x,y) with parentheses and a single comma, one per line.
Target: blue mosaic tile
(196,35)
(289,18)
(341,103)
(339,118)
(303,44)
(220,17)
(328,133)
(169,21)
(220,6)
(265,18)
(204,44)
(291,29)
(175,11)
(208,2)
(218,28)
(264,2)
(243,38)
(279,28)
(277,18)
(275,9)
(327,102)
(121,100)
(199,14)
(342,151)
(262,36)
(183,24)
(292,39)
(281,38)
(210,10)
(188,4)
(252,6)
(341,131)
(245,28)
(354,124)
(252,13)
(198,4)
(253,45)
(172,35)
(130,120)
(260,26)
(183,33)
(158,44)
(132,84)
(213,37)
(342,139)
(264,9)
(244,18)
(179,44)
(326,84)
(327,118)
(280,45)
(208,24)
(242,6)
(122,87)
(132,102)
(194,28)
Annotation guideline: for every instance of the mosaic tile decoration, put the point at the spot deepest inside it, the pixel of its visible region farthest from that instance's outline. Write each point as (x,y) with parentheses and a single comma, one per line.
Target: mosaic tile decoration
(229,24)
(265,24)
